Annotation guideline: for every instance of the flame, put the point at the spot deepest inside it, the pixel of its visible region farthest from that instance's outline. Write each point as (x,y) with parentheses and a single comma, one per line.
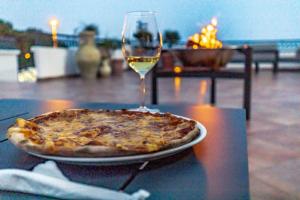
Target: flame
(177,69)
(210,28)
(54,23)
(214,21)
(27,56)
(207,38)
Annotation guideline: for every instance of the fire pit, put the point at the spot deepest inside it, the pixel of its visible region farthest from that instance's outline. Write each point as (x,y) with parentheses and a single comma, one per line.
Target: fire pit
(209,50)
(203,49)
(214,58)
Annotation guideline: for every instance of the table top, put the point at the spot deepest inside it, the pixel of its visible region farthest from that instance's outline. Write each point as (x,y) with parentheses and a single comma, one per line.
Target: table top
(216,168)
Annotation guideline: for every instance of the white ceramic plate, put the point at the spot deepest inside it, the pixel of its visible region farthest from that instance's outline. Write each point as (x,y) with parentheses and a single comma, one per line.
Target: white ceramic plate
(122,160)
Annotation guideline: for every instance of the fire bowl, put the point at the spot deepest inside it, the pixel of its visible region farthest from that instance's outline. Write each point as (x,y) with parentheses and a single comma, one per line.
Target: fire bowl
(213,58)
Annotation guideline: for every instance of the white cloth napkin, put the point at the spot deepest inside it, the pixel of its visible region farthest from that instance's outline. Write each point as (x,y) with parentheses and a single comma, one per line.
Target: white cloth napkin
(46,179)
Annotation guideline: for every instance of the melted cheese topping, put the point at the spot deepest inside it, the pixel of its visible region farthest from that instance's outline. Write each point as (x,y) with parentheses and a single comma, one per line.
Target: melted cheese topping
(124,130)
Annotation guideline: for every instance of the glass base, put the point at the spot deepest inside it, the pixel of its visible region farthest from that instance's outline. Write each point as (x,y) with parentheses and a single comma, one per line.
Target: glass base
(145,109)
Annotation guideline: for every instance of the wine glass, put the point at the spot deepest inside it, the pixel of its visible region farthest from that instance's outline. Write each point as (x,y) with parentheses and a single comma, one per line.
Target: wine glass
(141,46)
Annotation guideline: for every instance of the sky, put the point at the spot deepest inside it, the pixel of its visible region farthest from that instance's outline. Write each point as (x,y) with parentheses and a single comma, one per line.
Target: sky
(238,19)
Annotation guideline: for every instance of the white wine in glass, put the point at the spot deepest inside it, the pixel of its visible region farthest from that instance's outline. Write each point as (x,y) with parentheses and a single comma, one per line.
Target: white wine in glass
(140,64)
(141,45)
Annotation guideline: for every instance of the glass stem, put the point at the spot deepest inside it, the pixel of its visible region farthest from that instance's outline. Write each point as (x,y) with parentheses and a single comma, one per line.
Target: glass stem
(142,91)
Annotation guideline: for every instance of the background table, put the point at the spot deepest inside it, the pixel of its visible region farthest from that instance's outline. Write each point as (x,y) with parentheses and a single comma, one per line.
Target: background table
(244,53)
(216,168)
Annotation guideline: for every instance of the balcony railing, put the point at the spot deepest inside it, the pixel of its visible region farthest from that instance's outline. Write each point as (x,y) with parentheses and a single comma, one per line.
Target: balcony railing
(282,45)
(65,40)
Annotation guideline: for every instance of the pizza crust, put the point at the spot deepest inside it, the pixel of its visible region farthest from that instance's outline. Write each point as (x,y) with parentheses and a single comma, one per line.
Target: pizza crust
(189,137)
(16,136)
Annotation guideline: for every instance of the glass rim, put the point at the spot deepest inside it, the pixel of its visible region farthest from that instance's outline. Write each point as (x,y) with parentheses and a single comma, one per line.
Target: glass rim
(141,12)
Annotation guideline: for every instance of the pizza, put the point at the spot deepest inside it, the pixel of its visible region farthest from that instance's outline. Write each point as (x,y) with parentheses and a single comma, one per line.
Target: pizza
(99,133)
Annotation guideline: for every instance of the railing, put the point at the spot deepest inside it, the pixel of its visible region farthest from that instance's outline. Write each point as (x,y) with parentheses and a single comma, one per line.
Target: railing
(8,42)
(282,45)
(68,40)
(65,40)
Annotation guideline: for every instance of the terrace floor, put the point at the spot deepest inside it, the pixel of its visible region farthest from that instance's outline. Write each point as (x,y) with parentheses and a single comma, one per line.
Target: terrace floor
(273,132)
